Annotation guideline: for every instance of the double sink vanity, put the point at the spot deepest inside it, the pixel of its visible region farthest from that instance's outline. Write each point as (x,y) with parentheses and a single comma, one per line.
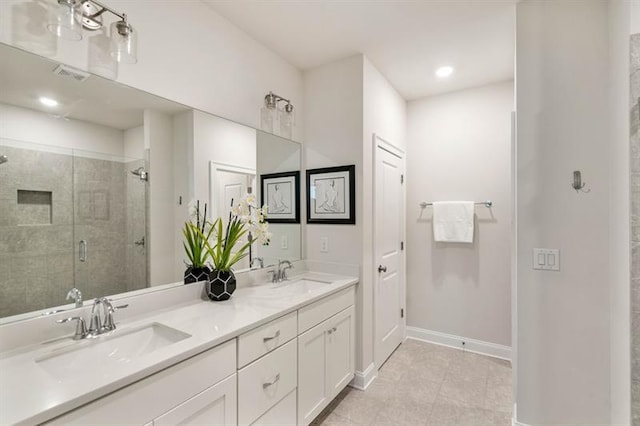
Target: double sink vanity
(275,353)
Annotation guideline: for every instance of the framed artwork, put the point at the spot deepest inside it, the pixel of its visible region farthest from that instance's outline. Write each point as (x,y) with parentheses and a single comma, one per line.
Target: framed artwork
(331,195)
(280,192)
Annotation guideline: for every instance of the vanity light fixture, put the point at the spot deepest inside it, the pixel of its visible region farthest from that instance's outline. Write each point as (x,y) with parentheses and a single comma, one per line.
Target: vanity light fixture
(71,16)
(48,101)
(272,112)
(444,72)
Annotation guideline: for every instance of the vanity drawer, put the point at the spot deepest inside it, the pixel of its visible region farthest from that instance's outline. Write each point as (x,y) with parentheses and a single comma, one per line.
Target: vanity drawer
(255,343)
(281,414)
(314,314)
(266,381)
(153,396)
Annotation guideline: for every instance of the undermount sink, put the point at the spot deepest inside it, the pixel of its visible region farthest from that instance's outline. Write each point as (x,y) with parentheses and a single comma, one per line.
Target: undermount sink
(101,355)
(301,285)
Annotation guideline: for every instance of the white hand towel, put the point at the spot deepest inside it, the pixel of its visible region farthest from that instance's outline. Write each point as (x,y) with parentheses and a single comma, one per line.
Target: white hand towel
(453,221)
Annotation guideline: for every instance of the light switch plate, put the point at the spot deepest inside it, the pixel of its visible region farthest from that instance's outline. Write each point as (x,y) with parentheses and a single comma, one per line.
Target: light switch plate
(284,242)
(546,259)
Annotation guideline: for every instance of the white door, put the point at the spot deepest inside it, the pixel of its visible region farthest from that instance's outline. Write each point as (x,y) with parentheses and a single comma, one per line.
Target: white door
(389,260)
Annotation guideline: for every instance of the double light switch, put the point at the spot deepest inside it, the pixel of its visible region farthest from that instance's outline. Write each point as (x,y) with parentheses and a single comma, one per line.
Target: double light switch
(546,259)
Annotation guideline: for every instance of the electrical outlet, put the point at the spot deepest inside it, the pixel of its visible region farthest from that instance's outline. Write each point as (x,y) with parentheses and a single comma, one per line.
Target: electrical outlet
(284,242)
(324,245)
(546,259)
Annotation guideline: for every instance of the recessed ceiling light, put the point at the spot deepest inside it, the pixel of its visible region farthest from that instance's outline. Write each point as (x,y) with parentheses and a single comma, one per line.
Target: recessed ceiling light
(48,101)
(444,72)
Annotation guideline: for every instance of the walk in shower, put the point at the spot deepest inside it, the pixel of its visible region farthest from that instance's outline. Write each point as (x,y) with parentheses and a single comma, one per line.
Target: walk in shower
(68,218)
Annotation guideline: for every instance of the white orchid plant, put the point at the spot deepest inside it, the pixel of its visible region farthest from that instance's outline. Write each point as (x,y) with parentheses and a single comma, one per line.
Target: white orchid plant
(245,219)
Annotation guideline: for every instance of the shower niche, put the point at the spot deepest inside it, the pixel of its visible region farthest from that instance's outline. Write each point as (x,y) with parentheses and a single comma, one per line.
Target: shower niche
(34,207)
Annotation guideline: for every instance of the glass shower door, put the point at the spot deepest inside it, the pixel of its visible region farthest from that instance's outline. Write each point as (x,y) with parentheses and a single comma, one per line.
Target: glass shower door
(109,225)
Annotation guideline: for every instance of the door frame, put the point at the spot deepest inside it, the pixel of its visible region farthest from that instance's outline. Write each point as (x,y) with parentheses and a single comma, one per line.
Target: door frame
(380,143)
(213,184)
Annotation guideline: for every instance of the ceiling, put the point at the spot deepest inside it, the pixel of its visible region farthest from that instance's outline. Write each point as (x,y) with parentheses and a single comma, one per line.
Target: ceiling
(25,77)
(405,40)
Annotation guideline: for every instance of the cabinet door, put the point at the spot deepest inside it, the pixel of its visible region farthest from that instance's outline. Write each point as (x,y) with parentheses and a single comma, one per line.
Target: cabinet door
(340,351)
(216,405)
(312,373)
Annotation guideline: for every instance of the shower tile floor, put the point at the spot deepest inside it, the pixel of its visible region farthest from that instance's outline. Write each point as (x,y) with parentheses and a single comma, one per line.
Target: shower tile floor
(425,384)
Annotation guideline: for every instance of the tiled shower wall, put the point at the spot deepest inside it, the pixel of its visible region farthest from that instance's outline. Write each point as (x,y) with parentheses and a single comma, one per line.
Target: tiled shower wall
(39,243)
(36,262)
(635,228)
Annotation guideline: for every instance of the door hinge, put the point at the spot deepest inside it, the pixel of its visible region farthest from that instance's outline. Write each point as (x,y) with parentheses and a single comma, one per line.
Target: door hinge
(401,313)
(401,178)
(401,245)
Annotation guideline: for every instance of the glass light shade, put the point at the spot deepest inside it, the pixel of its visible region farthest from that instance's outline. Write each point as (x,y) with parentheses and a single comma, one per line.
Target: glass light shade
(100,60)
(63,20)
(124,42)
(287,123)
(267,118)
(29,28)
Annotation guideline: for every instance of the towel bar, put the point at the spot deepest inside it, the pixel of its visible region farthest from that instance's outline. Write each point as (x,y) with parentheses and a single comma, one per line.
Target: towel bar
(488,204)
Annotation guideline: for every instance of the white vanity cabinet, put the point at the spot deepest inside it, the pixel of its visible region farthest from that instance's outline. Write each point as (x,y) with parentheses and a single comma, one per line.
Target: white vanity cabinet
(326,356)
(283,372)
(202,388)
(213,406)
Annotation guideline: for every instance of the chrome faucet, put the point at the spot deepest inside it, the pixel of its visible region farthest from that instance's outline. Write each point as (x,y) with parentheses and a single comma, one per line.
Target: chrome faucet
(76,295)
(259,259)
(98,324)
(95,326)
(280,274)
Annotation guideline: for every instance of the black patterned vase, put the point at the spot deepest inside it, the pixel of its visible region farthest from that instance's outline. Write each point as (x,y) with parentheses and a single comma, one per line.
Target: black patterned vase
(193,275)
(221,285)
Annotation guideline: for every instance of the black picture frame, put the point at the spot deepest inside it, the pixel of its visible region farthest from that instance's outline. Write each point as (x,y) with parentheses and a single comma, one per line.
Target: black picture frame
(289,209)
(338,191)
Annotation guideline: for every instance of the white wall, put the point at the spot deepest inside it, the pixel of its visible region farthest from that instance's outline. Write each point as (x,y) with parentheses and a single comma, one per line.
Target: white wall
(346,102)
(190,55)
(385,115)
(22,124)
(460,149)
(563,370)
(222,141)
(333,119)
(134,143)
(158,134)
(619,30)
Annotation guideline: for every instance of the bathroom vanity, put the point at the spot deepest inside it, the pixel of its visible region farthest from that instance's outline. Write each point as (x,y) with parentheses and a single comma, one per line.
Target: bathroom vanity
(273,354)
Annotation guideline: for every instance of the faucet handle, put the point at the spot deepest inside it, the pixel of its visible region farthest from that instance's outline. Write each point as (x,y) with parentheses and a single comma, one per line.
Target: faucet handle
(109,324)
(274,275)
(81,327)
(76,295)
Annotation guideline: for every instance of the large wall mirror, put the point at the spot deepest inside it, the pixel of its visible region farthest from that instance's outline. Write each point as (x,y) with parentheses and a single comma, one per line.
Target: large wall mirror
(96,179)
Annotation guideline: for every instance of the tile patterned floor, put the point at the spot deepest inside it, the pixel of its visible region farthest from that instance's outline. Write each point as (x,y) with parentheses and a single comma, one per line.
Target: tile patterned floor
(429,385)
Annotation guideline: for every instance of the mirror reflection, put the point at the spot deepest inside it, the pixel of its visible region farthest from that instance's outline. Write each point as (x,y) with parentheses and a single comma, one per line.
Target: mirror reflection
(96,179)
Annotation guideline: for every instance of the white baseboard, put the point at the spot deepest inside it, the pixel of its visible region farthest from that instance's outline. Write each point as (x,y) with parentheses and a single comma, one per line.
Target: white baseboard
(363,379)
(471,345)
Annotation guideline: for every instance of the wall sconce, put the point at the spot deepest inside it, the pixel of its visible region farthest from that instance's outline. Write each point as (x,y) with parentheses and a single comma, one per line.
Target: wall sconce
(273,117)
(69,17)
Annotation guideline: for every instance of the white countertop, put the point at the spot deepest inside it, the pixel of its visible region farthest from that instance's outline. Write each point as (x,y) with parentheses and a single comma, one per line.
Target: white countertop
(29,394)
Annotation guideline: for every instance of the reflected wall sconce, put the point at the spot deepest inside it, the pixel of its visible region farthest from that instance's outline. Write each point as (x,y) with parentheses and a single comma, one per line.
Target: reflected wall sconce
(69,17)
(274,117)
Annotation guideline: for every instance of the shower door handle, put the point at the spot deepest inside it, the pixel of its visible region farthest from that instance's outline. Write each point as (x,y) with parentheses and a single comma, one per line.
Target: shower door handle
(82,250)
